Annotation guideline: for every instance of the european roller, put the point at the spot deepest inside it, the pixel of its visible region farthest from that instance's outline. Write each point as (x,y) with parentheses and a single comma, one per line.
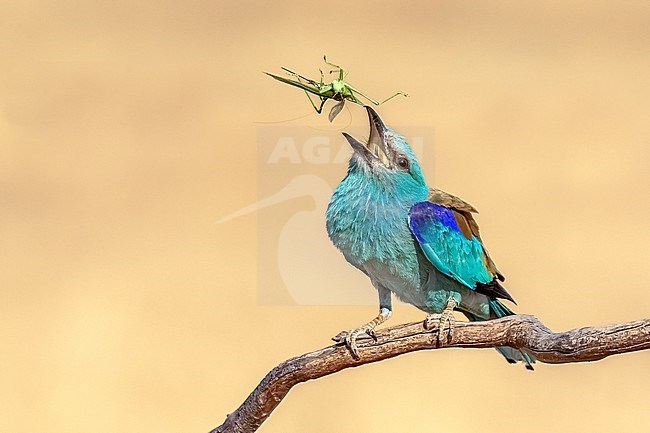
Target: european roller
(419,243)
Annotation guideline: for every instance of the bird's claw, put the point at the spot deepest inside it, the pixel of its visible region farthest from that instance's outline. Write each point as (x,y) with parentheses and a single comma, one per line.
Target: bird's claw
(430,321)
(443,320)
(350,338)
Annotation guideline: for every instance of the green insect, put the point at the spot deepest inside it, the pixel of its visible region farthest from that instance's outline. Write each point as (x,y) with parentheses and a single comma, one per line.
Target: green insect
(337,90)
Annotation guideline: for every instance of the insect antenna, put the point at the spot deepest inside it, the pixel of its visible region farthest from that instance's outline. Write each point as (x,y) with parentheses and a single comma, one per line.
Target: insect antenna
(284,121)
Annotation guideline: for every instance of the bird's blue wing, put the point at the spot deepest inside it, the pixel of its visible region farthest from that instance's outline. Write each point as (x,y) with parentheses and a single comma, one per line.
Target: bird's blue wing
(449,244)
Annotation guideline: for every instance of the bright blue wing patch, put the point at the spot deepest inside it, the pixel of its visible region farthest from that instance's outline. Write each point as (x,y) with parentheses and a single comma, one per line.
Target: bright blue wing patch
(446,247)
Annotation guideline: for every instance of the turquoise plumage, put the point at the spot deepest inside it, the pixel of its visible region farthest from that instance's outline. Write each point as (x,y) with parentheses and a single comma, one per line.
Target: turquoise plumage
(419,243)
(454,254)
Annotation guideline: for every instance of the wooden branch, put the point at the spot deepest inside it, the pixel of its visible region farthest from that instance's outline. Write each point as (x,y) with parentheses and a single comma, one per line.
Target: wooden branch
(522,332)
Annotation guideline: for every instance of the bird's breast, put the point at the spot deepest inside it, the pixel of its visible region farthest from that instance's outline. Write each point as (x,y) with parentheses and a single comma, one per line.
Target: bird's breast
(373,234)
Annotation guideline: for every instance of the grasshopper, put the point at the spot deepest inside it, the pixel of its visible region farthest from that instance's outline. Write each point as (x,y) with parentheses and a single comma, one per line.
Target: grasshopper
(337,90)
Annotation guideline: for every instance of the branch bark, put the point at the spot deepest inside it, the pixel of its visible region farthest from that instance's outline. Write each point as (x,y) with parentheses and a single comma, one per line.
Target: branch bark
(521,332)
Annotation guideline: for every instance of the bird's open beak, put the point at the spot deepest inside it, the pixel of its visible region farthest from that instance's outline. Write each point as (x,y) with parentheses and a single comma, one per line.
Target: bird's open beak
(376,148)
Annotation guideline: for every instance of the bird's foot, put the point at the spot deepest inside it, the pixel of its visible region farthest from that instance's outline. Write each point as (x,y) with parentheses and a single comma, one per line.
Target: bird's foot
(350,337)
(446,318)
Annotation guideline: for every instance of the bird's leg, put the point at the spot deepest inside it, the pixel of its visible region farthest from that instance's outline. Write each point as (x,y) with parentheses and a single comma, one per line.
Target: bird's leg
(442,320)
(385,311)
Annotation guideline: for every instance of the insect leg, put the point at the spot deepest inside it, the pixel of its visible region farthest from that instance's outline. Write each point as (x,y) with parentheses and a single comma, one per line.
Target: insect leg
(396,94)
(316,90)
(299,77)
(331,64)
(319,110)
(342,72)
(352,89)
(375,102)
(353,98)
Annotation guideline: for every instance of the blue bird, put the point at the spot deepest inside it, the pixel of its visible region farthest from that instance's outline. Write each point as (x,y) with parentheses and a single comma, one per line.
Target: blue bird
(420,243)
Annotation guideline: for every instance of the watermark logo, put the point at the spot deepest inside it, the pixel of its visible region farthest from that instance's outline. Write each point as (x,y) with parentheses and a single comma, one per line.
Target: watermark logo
(297,170)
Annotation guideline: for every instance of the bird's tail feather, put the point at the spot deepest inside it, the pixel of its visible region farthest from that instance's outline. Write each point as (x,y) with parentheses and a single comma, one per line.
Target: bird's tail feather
(497,310)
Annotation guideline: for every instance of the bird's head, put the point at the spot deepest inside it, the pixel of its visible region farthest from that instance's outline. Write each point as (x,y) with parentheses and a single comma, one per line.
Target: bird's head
(386,157)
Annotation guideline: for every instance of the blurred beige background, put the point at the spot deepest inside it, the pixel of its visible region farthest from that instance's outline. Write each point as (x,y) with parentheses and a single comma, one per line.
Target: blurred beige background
(126,132)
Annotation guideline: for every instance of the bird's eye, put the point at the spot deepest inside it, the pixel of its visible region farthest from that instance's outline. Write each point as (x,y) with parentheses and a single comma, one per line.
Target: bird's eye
(403,162)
